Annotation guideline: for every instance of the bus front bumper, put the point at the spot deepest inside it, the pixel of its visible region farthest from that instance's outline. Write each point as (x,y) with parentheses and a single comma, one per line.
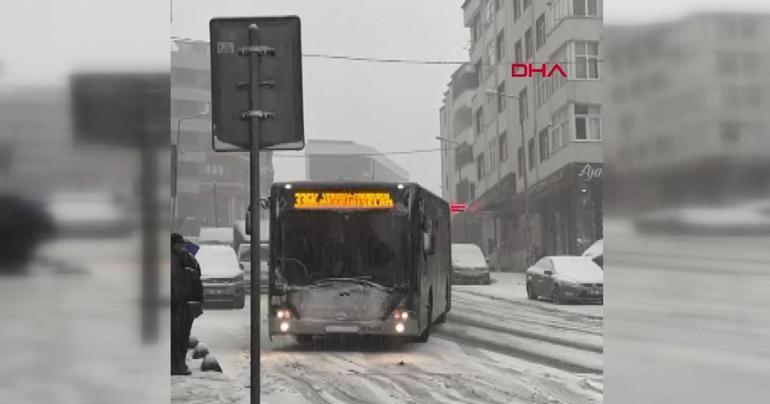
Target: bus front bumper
(293,326)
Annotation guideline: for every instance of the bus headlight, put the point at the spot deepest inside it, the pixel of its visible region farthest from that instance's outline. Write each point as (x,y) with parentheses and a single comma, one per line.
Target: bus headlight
(284,326)
(401,315)
(399,328)
(283,313)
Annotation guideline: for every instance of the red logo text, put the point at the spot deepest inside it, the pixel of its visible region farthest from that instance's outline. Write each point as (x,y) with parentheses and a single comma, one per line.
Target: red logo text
(528,70)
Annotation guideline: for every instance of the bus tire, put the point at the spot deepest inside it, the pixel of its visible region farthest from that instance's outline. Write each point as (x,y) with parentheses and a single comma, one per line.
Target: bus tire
(448,304)
(426,333)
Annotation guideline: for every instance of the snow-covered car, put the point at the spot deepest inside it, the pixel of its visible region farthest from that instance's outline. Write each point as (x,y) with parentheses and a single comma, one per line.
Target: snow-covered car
(752,218)
(596,252)
(244,257)
(88,215)
(469,265)
(565,278)
(216,235)
(221,275)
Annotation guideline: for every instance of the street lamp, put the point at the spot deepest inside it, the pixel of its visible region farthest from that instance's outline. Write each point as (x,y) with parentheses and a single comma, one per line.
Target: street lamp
(525,191)
(175,160)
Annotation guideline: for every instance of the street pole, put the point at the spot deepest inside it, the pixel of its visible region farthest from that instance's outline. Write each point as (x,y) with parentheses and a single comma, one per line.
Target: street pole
(216,219)
(525,191)
(254,196)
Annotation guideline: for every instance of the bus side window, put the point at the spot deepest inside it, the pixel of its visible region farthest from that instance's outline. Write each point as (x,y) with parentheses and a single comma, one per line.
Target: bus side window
(429,237)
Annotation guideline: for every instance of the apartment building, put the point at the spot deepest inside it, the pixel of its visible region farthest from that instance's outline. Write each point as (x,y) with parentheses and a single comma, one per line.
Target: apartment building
(330,160)
(689,99)
(526,152)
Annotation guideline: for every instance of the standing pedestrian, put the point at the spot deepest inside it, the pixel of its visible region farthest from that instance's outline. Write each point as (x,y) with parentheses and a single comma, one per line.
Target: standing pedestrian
(186,301)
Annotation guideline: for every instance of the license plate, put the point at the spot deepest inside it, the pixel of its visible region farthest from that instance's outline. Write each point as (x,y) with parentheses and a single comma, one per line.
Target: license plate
(217,292)
(595,292)
(342,328)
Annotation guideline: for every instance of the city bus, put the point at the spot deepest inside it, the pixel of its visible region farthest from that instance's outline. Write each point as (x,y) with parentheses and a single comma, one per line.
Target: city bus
(361,258)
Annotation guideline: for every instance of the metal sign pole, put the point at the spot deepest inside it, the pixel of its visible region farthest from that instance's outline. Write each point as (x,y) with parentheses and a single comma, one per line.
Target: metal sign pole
(254,194)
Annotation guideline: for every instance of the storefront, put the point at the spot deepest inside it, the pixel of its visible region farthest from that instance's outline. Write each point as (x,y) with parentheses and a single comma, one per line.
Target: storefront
(568,204)
(565,217)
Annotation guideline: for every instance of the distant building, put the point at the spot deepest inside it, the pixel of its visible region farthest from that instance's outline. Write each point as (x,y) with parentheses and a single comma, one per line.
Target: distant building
(212,187)
(689,99)
(342,159)
(506,137)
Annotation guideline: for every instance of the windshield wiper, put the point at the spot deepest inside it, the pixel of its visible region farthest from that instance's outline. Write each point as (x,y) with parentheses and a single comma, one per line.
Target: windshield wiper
(359,279)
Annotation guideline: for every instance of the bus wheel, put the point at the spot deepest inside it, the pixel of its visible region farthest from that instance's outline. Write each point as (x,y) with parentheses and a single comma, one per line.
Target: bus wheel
(426,334)
(447,298)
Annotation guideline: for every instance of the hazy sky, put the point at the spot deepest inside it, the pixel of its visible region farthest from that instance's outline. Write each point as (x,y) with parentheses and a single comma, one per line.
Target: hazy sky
(390,107)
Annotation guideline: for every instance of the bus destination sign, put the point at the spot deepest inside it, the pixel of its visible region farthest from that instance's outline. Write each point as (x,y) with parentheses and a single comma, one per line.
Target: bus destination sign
(342,200)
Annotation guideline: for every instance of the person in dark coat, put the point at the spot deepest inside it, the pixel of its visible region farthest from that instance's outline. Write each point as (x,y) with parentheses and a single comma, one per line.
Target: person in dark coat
(186,301)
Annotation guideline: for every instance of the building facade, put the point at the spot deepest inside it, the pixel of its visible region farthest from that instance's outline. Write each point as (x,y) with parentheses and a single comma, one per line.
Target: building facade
(346,160)
(689,99)
(212,187)
(526,152)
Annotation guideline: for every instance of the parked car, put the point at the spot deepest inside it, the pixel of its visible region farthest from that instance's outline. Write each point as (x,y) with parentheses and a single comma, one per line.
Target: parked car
(469,265)
(88,215)
(221,276)
(244,257)
(565,279)
(750,218)
(216,235)
(596,252)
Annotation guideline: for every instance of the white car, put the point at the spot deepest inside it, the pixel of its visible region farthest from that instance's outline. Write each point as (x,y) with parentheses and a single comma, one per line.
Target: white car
(596,252)
(244,257)
(751,218)
(216,235)
(469,265)
(221,276)
(565,278)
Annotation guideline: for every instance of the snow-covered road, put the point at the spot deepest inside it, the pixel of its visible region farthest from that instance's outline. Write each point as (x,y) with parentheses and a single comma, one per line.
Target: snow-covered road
(496,347)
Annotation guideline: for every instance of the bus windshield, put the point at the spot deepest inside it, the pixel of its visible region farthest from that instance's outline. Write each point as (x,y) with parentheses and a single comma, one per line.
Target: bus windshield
(322,246)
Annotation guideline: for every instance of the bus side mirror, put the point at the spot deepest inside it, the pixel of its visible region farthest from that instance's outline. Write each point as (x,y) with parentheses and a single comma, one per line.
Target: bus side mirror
(248,222)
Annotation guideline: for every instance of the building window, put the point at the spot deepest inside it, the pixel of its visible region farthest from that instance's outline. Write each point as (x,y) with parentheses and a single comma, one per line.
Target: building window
(479,122)
(520,160)
(559,11)
(475,29)
(542,90)
(585,8)
(502,146)
(531,153)
(586,59)
(540,31)
(560,56)
(500,46)
(501,97)
(489,12)
(519,57)
(491,59)
(526,3)
(492,155)
(528,44)
(480,166)
(543,139)
(587,122)
(559,129)
(516,10)
(523,112)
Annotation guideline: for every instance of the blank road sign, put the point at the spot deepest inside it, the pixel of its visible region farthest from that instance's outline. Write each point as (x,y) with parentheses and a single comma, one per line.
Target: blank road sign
(280,89)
